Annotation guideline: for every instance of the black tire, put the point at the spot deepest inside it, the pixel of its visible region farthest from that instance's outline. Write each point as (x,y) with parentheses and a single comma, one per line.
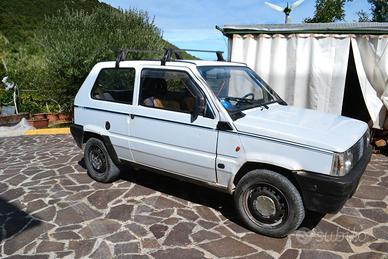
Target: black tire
(268,203)
(98,162)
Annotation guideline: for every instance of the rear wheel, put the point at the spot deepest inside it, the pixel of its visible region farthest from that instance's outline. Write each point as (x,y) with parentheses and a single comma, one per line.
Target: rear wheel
(98,162)
(268,203)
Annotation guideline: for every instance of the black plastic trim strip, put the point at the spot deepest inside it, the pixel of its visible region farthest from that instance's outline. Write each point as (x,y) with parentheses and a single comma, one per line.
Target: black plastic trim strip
(101,110)
(176,122)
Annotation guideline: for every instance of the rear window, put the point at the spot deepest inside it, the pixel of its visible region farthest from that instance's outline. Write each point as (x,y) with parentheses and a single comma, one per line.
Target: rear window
(114,85)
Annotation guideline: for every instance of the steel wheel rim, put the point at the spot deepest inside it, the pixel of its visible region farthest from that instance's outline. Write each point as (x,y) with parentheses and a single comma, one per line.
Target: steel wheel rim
(265,205)
(97,159)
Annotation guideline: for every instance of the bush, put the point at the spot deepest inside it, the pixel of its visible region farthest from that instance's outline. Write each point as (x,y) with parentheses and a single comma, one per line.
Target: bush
(74,41)
(63,52)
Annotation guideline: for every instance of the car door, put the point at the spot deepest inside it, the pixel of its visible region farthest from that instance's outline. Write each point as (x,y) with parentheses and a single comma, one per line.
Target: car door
(112,97)
(164,134)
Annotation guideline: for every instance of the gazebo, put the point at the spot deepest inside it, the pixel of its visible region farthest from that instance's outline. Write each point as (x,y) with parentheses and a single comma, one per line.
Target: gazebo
(340,68)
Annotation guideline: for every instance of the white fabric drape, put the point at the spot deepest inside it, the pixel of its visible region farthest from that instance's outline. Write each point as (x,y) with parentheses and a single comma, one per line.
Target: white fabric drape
(306,70)
(371,58)
(309,70)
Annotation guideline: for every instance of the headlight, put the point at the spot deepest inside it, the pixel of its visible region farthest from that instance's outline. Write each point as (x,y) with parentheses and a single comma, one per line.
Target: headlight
(342,163)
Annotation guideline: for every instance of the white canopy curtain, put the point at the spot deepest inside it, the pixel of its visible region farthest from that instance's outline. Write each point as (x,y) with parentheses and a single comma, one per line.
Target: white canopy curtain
(309,70)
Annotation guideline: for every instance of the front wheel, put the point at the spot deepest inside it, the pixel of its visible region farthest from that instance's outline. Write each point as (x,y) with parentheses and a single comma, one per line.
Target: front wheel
(268,203)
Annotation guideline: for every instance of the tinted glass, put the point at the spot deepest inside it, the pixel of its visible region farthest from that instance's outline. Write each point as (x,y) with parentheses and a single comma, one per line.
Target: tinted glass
(115,85)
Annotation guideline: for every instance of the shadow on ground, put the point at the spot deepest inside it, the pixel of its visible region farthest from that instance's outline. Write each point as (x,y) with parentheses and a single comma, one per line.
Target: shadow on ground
(13,220)
(217,200)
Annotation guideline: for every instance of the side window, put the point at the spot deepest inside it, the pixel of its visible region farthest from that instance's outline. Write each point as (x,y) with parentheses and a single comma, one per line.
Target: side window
(114,85)
(167,89)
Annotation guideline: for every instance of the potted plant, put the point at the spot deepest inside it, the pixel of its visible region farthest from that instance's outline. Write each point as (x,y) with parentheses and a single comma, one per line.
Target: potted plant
(38,123)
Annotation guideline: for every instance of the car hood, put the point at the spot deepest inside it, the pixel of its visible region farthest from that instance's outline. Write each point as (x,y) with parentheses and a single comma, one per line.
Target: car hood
(302,126)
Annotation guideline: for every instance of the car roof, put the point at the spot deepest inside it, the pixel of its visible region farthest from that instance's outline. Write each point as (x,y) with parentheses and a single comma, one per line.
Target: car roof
(175,63)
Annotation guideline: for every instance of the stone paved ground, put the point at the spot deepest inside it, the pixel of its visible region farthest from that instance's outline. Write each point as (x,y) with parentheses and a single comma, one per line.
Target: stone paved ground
(50,208)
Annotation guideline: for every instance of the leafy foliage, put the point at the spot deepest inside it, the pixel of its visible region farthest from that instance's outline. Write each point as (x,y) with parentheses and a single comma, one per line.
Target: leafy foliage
(379,10)
(328,11)
(74,41)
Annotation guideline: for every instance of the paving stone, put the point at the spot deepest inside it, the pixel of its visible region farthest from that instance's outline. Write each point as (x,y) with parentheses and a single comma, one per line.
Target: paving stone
(206,214)
(49,246)
(368,255)
(381,247)
(188,214)
(127,248)
(179,235)
(120,212)
(267,243)
(100,199)
(308,254)
(67,235)
(76,214)
(378,204)
(371,192)
(171,221)
(190,221)
(355,224)
(315,241)
(137,229)
(158,230)
(122,236)
(381,232)
(362,238)
(16,223)
(203,235)
(12,194)
(378,215)
(146,220)
(67,228)
(227,247)
(82,247)
(32,231)
(99,227)
(289,254)
(178,253)
(102,251)
(166,213)
(150,243)
(138,190)
(46,214)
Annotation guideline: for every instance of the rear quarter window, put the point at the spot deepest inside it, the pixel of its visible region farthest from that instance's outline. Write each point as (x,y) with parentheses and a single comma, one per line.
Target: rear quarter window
(114,85)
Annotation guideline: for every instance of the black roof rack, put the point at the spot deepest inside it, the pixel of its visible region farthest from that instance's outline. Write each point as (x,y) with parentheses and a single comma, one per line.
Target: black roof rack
(168,53)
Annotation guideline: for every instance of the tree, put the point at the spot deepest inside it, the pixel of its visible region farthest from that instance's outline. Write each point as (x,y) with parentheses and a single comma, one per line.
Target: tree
(379,10)
(70,43)
(363,16)
(328,11)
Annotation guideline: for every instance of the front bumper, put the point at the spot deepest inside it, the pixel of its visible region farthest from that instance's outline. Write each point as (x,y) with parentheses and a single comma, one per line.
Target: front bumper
(328,194)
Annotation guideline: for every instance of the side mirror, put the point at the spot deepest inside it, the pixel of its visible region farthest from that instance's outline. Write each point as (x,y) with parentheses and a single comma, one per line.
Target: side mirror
(199,107)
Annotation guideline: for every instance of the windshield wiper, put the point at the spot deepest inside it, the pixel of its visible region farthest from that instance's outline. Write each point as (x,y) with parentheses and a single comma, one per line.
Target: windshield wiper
(239,100)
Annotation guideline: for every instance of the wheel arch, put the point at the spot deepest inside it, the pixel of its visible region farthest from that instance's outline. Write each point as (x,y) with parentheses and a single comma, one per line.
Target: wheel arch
(249,166)
(108,144)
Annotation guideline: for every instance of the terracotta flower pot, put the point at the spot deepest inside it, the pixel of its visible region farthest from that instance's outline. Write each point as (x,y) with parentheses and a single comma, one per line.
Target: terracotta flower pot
(12,119)
(64,116)
(52,117)
(39,116)
(39,123)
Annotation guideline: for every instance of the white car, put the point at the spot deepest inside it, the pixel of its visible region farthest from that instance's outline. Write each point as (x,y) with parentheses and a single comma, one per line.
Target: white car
(219,124)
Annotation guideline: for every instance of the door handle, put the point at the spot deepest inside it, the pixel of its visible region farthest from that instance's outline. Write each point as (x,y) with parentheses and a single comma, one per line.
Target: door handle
(132,116)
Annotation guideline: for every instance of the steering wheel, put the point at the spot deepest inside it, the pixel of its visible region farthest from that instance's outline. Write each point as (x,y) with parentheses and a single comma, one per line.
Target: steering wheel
(247,95)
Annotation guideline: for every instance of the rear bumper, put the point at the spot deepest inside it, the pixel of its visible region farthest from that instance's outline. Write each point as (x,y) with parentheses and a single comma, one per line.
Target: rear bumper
(77,131)
(328,194)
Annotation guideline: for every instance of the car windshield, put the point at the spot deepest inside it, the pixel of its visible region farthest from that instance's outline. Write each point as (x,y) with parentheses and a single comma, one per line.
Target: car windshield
(238,88)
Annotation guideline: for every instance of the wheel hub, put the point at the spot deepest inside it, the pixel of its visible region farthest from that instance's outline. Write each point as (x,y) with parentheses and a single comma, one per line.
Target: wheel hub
(265,205)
